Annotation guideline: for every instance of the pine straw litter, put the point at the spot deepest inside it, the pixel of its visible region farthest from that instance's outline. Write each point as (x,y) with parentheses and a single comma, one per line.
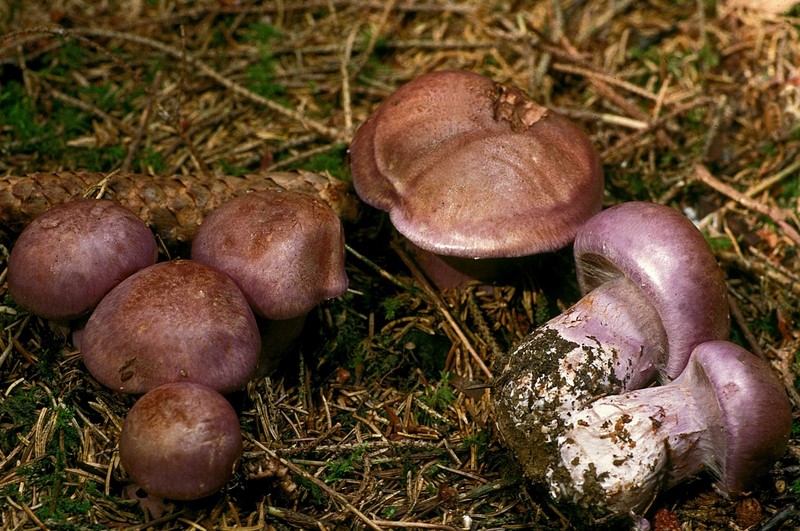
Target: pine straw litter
(383,419)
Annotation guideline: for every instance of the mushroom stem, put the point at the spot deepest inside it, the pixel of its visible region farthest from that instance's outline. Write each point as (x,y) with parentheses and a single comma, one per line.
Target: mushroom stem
(607,343)
(725,413)
(278,338)
(618,452)
(447,272)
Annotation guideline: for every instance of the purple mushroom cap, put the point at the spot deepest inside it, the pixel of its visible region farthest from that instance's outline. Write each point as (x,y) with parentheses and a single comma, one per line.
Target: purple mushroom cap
(755,409)
(181,441)
(470,168)
(665,256)
(284,250)
(172,321)
(69,257)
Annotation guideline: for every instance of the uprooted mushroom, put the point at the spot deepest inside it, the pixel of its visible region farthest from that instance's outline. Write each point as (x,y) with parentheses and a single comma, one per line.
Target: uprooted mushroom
(653,293)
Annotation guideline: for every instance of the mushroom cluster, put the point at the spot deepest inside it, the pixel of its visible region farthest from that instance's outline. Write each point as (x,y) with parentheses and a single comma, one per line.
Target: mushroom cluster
(472,173)
(571,401)
(630,391)
(181,332)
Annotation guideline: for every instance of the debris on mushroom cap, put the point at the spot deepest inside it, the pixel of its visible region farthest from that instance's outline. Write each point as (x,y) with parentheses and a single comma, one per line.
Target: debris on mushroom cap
(725,413)
(471,168)
(284,250)
(172,321)
(668,258)
(69,257)
(181,441)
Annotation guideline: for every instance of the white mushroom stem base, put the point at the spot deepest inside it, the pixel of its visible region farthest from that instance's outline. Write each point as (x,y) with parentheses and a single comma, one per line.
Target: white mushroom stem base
(611,341)
(615,455)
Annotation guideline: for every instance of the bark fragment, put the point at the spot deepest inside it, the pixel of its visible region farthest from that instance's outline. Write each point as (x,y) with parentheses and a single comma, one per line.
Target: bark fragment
(174,206)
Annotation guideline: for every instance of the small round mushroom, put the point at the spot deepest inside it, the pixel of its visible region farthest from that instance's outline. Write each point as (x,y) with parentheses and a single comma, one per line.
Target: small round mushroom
(173,321)
(471,171)
(181,441)
(285,251)
(653,291)
(726,413)
(66,260)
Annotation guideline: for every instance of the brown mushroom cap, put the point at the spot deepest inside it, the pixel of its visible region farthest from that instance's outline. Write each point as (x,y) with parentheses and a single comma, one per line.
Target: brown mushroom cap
(284,250)
(69,257)
(471,168)
(181,441)
(172,321)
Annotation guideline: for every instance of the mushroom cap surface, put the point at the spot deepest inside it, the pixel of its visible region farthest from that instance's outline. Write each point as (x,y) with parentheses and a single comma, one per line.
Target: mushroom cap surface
(284,250)
(470,168)
(181,441)
(667,257)
(172,321)
(756,412)
(69,257)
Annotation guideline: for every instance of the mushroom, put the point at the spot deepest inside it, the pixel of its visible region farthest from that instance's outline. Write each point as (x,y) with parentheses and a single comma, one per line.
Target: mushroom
(66,260)
(653,291)
(172,321)
(285,251)
(725,413)
(181,441)
(473,172)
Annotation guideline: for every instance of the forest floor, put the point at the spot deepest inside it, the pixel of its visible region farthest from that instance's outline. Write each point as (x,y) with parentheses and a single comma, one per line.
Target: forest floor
(383,420)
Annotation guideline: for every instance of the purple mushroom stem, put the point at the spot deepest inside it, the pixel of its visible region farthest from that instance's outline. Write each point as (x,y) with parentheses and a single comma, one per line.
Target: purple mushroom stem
(279,337)
(725,413)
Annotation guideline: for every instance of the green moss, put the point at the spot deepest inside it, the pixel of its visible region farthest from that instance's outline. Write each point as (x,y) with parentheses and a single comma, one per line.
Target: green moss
(339,468)
(43,135)
(151,160)
(18,412)
(261,75)
(391,307)
(439,396)
(332,161)
(229,168)
(719,243)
